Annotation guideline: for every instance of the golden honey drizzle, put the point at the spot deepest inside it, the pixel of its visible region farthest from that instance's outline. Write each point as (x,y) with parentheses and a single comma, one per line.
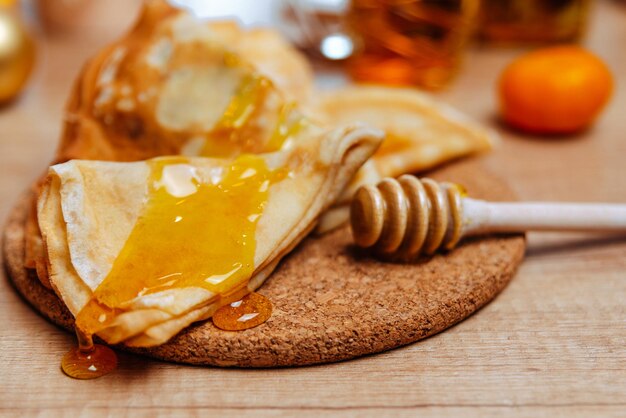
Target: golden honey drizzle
(227,139)
(89,362)
(230,137)
(203,238)
(289,124)
(244,102)
(249,312)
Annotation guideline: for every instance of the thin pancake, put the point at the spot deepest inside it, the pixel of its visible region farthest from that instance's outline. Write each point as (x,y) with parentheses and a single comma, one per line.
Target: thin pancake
(174,82)
(164,88)
(421,132)
(89,212)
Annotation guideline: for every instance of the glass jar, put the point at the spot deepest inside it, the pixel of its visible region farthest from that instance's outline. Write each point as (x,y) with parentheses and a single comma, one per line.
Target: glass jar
(409,42)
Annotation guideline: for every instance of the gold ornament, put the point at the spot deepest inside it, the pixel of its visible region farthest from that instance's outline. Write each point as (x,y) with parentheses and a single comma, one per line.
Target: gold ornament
(17,55)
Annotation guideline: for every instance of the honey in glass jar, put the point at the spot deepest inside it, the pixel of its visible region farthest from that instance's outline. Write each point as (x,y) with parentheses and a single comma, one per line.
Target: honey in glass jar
(409,42)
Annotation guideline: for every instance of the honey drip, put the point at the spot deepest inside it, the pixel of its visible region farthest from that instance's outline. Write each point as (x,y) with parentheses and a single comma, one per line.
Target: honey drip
(193,232)
(88,360)
(249,312)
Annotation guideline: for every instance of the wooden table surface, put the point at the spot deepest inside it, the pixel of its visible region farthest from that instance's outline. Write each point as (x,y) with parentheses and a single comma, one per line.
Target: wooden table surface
(552,344)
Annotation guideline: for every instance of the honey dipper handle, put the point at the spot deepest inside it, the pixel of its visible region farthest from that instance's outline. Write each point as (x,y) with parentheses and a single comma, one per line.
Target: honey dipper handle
(480,217)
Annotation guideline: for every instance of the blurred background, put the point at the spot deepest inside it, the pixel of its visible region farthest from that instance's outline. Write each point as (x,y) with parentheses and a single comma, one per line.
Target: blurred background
(407,42)
(456,49)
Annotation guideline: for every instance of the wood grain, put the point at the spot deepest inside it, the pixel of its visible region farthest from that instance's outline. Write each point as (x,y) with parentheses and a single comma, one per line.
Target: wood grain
(551,345)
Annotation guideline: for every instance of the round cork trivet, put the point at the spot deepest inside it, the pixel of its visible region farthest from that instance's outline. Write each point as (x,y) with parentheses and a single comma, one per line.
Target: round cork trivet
(331,301)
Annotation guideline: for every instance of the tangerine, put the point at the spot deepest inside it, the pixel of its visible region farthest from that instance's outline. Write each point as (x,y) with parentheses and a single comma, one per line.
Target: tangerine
(555,90)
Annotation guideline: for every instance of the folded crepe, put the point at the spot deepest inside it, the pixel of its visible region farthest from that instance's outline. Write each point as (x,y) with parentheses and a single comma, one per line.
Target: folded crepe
(176,85)
(138,251)
(420,134)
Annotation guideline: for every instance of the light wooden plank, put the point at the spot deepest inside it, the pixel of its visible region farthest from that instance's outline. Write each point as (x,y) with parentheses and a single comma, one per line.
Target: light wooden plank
(552,344)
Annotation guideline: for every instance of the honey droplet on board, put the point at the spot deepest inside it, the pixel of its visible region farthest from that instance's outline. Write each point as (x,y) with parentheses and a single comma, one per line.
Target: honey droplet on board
(88,360)
(89,364)
(249,312)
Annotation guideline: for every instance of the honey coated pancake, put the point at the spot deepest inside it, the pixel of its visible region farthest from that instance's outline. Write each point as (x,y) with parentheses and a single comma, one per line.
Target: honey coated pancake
(331,302)
(138,251)
(178,85)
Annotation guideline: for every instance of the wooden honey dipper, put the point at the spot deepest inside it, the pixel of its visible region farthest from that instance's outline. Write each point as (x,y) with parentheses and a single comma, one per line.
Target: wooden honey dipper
(408,217)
